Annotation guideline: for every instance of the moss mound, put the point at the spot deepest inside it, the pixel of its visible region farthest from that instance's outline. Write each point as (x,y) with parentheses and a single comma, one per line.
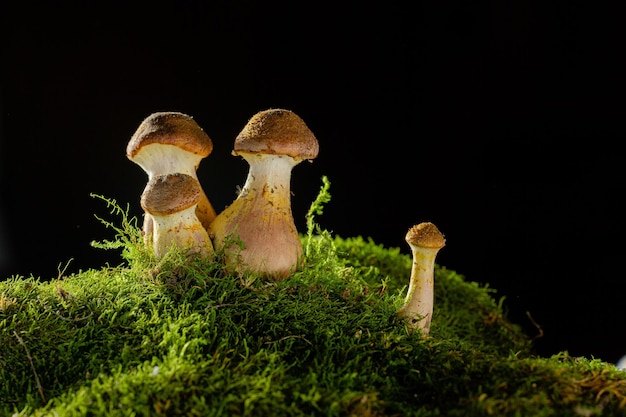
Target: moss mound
(182,337)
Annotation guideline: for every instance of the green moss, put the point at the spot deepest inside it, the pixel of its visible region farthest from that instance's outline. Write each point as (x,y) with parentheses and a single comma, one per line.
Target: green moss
(182,337)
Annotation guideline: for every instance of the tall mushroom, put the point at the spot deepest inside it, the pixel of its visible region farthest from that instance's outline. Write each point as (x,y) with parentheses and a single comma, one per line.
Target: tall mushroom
(425,241)
(171,201)
(272,142)
(169,143)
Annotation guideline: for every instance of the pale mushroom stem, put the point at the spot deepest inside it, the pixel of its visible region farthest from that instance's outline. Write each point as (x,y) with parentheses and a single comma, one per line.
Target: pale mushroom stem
(419,301)
(181,229)
(269,177)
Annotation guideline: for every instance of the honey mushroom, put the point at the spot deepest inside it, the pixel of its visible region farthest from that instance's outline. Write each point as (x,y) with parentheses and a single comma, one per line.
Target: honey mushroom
(272,142)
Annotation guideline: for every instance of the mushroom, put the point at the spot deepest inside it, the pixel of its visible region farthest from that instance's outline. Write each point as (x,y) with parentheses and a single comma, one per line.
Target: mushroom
(425,241)
(272,142)
(168,143)
(171,200)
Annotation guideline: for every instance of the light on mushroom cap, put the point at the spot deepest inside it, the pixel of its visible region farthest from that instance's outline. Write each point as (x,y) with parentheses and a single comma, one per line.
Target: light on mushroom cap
(278,132)
(170,128)
(167,194)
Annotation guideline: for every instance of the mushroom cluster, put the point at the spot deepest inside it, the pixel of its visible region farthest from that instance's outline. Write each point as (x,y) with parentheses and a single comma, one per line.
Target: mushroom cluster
(167,143)
(169,147)
(256,232)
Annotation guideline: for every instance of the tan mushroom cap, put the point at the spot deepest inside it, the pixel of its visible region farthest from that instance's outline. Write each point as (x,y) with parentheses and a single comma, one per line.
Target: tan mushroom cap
(277,132)
(425,235)
(169,194)
(170,128)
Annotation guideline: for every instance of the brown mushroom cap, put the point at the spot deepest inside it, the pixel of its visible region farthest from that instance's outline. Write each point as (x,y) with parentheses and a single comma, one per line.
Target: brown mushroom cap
(277,132)
(425,235)
(169,194)
(170,128)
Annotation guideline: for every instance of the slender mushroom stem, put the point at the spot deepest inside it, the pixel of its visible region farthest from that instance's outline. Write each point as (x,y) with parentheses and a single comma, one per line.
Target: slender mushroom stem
(425,240)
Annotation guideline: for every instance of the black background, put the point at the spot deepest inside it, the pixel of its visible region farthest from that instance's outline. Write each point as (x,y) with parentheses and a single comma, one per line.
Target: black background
(498,121)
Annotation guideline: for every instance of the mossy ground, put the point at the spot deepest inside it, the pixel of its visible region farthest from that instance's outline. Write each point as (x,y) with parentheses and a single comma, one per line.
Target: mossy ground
(181,336)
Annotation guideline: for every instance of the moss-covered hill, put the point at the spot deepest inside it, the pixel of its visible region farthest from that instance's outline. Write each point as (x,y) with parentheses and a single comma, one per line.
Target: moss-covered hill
(182,337)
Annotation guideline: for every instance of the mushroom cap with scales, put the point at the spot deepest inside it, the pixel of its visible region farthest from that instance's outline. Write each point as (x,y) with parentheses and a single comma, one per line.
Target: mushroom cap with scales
(169,194)
(170,128)
(425,235)
(277,132)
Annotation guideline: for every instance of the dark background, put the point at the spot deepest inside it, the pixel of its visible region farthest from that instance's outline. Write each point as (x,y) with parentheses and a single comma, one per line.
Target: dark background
(498,122)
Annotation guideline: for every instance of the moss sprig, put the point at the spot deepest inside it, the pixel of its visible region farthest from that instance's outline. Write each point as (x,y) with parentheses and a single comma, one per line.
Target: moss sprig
(128,236)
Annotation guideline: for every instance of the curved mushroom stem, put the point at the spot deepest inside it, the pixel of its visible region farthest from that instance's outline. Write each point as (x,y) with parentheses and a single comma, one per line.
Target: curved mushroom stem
(425,240)
(261,218)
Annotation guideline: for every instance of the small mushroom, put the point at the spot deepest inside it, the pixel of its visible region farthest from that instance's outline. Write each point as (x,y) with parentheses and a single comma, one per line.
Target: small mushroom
(168,143)
(272,142)
(171,202)
(425,241)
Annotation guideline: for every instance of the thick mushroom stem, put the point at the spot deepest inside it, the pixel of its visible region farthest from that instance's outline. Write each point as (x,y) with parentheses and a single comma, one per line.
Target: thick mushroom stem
(261,218)
(171,201)
(182,229)
(425,240)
